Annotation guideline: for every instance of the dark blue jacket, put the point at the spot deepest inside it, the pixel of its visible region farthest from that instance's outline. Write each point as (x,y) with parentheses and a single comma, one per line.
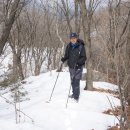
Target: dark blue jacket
(75,54)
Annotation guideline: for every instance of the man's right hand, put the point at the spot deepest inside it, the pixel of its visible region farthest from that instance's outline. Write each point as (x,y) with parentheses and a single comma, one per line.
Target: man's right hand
(62,59)
(77,66)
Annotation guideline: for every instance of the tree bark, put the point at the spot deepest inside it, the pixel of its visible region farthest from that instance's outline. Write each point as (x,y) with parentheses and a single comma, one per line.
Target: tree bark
(128,64)
(86,23)
(77,21)
(8,25)
(17,65)
(66,12)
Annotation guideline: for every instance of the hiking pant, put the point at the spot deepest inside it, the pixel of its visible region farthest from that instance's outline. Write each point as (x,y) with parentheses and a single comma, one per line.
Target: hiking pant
(76,75)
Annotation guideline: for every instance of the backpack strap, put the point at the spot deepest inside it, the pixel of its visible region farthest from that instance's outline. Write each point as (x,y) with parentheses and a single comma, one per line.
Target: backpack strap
(81,45)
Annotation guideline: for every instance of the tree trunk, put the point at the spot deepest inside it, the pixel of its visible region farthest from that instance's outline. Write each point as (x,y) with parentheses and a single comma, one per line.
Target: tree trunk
(86,23)
(37,69)
(15,73)
(128,64)
(66,12)
(17,65)
(20,69)
(8,25)
(77,21)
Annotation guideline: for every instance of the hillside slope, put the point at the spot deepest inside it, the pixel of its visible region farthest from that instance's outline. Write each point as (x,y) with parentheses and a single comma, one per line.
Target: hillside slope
(84,115)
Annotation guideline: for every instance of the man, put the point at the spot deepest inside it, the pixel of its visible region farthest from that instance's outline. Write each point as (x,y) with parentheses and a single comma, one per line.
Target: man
(76,56)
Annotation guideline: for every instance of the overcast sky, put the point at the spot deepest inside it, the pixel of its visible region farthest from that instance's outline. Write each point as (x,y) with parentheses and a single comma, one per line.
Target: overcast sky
(103,2)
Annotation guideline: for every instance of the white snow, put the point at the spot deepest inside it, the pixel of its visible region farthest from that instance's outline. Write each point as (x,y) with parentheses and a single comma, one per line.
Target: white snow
(84,115)
(105,85)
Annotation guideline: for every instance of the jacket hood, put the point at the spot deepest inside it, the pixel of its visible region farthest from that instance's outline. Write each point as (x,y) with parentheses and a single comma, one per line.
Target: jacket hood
(80,42)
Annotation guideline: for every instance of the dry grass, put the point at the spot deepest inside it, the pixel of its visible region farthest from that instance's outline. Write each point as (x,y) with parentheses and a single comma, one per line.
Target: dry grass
(115,111)
(106,91)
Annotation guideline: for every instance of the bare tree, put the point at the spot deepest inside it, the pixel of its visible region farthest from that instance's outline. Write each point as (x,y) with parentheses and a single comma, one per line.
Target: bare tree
(11,10)
(77,18)
(67,14)
(17,44)
(115,38)
(87,15)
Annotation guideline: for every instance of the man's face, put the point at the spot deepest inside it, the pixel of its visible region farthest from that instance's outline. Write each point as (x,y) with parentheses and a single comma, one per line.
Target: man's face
(73,40)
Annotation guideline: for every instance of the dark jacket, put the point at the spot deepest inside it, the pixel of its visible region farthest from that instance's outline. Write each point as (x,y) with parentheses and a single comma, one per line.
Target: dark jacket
(75,54)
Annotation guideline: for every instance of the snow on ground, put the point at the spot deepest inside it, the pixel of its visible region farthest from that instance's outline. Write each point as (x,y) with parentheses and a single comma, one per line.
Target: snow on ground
(105,85)
(84,115)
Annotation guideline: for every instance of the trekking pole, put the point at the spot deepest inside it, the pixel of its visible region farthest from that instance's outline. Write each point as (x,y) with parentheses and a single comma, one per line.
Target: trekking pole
(55,83)
(68,97)
(69,91)
(70,88)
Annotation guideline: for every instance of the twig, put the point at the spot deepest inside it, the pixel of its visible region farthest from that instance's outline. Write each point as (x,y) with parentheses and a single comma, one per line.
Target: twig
(8,101)
(112,108)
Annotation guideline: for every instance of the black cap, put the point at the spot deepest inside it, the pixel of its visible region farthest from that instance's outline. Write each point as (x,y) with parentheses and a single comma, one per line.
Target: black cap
(73,35)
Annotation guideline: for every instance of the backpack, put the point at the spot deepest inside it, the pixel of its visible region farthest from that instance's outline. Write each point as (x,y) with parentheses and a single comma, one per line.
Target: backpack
(80,47)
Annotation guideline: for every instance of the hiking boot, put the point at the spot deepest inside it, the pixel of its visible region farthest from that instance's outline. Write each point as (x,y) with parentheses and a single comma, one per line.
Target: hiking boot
(71,96)
(76,99)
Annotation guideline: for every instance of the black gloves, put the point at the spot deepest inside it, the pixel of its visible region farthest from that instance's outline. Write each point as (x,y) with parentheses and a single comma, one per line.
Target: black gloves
(62,59)
(77,66)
